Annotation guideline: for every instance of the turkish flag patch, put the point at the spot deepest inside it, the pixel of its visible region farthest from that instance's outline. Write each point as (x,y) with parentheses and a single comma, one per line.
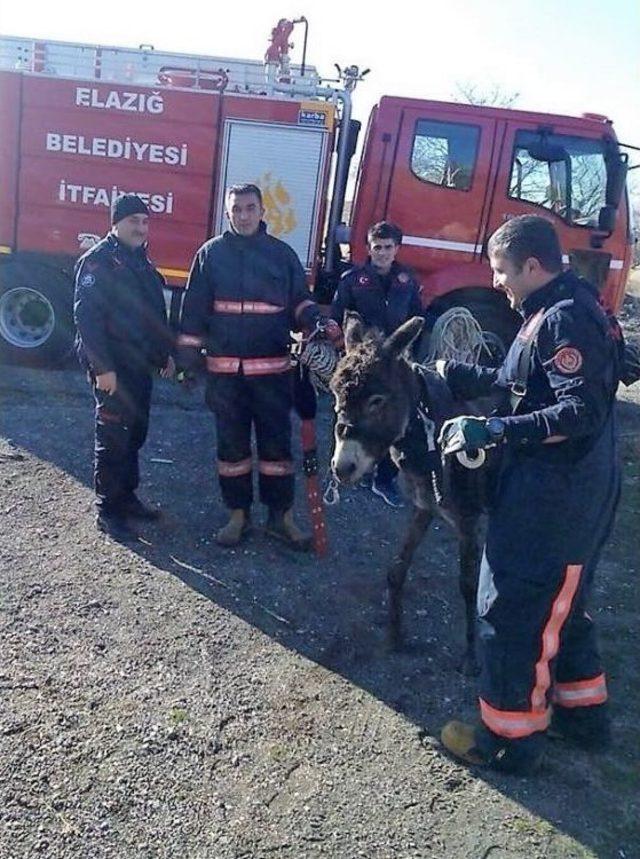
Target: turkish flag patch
(568,359)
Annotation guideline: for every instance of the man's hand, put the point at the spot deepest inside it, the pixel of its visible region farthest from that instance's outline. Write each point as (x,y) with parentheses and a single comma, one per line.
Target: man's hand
(169,371)
(107,382)
(464,433)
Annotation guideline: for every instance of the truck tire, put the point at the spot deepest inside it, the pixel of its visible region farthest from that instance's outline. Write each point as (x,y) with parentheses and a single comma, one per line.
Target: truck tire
(36,314)
(492,312)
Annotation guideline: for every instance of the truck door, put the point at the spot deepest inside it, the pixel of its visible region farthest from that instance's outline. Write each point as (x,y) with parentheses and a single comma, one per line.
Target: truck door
(438,189)
(559,171)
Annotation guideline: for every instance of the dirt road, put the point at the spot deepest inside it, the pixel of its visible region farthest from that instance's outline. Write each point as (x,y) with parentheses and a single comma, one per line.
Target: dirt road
(171,699)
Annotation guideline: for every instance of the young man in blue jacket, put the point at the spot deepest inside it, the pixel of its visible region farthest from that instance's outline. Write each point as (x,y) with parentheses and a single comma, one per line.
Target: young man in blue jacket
(385,294)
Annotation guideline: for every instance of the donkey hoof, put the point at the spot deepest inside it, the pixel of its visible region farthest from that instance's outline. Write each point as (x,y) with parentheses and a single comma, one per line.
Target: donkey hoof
(468,666)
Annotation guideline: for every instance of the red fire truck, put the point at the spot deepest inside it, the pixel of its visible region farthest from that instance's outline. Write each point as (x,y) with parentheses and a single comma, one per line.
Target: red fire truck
(82,124)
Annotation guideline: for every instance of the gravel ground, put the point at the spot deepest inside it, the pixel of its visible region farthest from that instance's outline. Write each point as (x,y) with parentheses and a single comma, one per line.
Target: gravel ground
(171,699)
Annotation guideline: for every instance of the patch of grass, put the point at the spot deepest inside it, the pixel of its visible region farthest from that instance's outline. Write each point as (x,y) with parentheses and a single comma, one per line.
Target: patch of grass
(278,752)
(527,827)
(177,715)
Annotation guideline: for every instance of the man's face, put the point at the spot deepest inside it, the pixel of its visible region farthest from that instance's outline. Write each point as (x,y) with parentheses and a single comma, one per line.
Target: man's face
(133,230)
(383,252)
(245,213)
(516,283)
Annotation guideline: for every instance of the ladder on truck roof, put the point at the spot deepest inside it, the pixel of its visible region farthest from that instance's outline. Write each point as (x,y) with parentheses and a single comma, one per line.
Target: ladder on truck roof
(143,66)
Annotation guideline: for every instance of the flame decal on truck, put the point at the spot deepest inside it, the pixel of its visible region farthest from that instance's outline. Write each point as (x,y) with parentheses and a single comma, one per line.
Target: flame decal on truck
(279,213)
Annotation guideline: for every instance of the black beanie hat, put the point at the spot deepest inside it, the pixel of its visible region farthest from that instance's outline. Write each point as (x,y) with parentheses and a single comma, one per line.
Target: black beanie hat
(128,204)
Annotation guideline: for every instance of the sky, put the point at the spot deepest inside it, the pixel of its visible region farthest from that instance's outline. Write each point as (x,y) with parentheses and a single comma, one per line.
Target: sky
(565,56)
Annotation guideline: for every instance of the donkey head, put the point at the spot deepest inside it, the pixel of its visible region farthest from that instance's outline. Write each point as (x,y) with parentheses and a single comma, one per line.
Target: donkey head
(373,389)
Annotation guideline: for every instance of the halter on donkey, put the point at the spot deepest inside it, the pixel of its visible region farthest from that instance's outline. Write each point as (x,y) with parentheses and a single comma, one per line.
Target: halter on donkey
(383,401)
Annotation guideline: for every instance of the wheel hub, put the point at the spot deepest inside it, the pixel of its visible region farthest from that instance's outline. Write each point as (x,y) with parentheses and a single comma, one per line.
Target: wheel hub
(27,317)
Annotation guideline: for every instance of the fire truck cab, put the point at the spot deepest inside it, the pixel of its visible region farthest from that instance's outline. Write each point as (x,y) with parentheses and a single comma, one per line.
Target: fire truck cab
(451,174)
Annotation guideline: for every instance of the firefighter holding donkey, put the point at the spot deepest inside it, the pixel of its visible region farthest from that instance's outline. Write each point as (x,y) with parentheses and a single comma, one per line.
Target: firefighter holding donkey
(555,507)
(246,292)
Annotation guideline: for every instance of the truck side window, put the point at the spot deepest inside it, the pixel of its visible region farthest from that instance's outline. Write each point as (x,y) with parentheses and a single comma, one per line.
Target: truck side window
(572,185)
(444,153)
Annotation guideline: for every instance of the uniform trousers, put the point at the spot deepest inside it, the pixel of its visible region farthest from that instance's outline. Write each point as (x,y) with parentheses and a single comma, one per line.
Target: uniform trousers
(263,402)
(121,424)
(537,642)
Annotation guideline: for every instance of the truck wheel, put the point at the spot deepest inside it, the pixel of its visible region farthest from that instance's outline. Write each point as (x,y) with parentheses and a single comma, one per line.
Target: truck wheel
(492,312)
(36,314)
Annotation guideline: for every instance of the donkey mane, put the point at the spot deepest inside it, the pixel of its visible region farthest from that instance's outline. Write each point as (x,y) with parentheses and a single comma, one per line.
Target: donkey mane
(359,363)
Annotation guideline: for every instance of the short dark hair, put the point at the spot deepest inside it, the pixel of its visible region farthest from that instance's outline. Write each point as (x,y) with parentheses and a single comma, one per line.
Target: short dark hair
(245,188)
(528,236)
(384,230)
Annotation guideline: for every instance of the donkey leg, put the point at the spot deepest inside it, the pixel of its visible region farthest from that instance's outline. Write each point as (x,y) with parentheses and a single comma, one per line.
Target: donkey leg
(420,521)
(469,571)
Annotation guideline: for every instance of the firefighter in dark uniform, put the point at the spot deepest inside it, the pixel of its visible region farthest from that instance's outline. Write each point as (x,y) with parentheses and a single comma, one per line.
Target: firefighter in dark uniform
(385,294)
(122,339)
(246,292)
(554,510)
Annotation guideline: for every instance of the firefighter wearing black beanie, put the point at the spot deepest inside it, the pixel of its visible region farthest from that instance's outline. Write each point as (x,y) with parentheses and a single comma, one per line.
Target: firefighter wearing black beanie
(127,204)
(123,341)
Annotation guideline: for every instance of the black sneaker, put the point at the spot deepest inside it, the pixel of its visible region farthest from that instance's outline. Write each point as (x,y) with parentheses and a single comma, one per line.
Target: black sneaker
(115,527)
(388,491)
(135,509)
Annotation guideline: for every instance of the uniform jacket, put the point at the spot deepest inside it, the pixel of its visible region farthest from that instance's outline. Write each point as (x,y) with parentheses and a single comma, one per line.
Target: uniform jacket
(362,289)
(119,309)
(572,376)
(243,297)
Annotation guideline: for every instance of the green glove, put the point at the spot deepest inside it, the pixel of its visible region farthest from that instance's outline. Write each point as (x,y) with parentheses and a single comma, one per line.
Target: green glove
(464,433)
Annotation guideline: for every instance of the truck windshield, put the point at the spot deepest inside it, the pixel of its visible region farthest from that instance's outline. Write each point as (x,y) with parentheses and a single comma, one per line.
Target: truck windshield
(574,189)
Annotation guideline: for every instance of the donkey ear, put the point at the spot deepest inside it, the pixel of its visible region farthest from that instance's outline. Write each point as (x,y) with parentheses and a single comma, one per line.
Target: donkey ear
(353,328)
(403,336)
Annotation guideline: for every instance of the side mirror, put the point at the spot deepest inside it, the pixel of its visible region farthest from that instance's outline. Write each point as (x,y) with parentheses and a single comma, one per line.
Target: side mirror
(617,168)
(607,219)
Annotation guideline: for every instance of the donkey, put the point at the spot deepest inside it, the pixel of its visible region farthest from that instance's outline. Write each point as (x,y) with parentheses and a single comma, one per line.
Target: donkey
(385,402)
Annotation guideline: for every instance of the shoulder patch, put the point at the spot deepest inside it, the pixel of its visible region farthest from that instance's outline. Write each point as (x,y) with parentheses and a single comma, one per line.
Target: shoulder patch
(403,277)
(568,360)
(363,280)
(87,280)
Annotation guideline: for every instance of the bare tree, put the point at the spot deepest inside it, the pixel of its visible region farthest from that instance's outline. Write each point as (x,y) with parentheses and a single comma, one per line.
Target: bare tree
(492,96)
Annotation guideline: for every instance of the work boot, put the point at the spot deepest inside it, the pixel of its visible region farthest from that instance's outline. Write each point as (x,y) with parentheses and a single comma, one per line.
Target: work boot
(114,526)
(135,509)
(235,529)
(281,526)
(587,728)
(479,747)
